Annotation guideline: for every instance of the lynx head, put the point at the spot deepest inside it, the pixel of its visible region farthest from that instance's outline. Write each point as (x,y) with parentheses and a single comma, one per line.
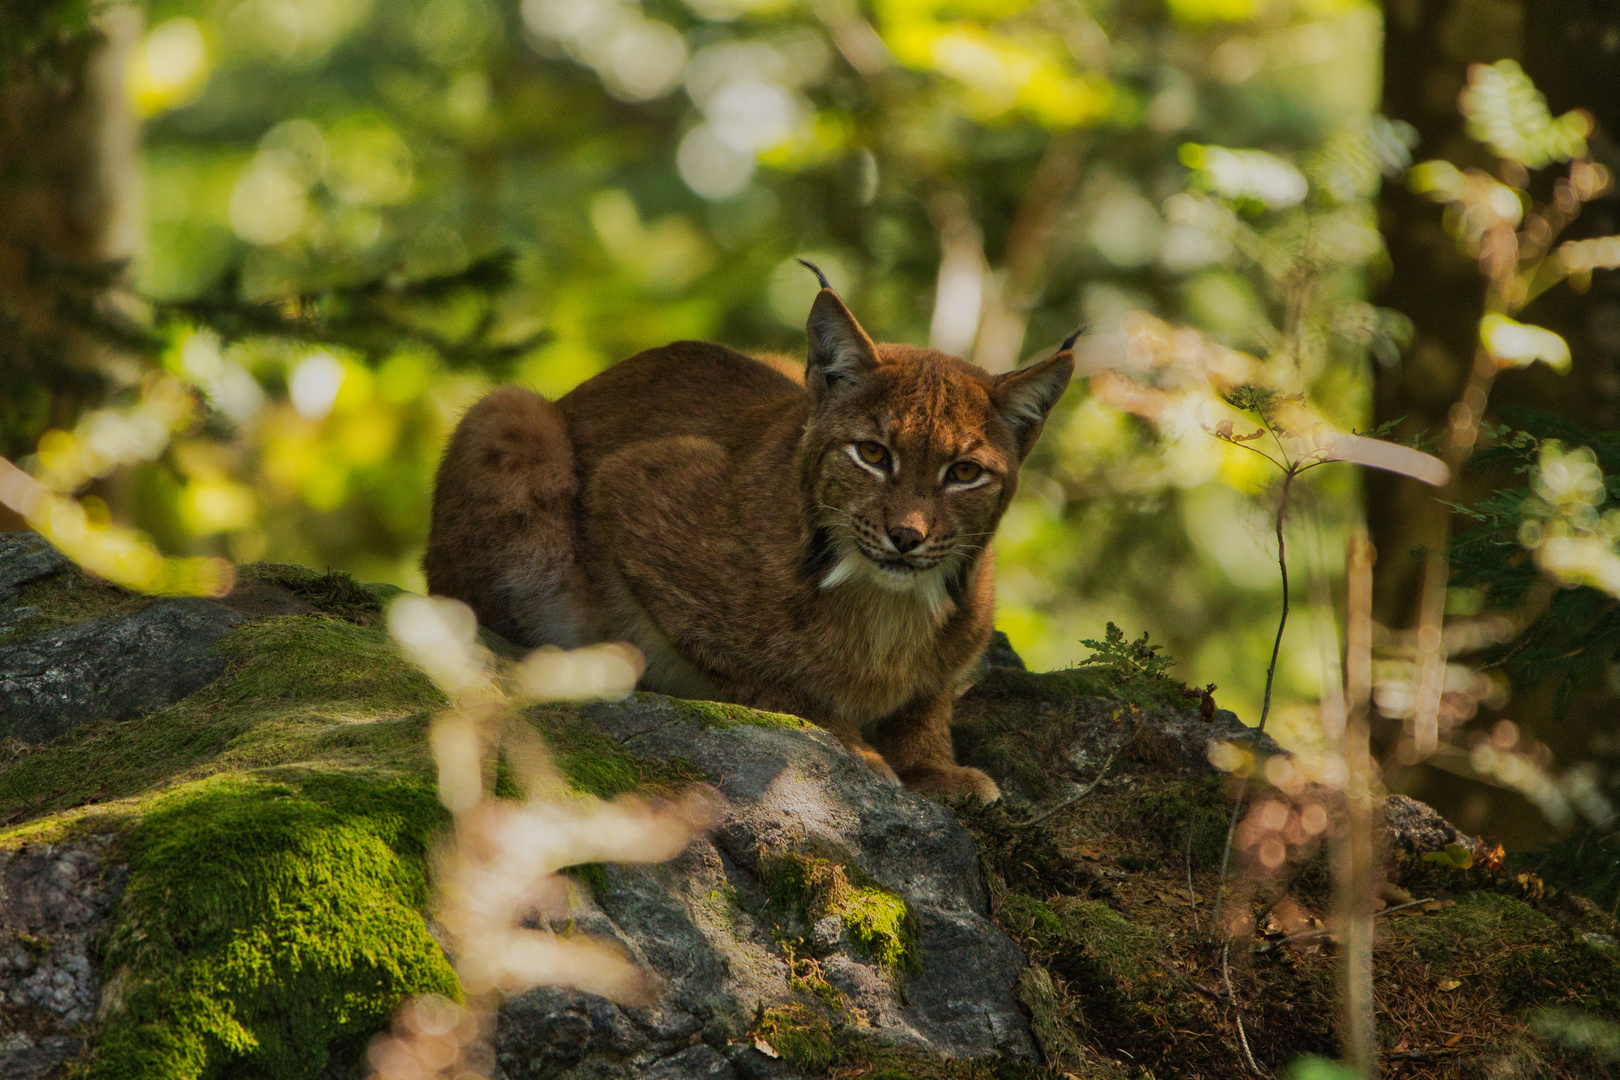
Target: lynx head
(910,455)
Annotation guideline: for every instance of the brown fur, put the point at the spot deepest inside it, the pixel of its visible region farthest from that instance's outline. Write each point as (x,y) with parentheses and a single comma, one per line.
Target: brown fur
(714,511)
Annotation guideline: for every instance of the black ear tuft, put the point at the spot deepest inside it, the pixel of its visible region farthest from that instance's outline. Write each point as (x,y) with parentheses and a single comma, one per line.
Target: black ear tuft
(1068,342)
(1025,396)
(816,270)
(840,351)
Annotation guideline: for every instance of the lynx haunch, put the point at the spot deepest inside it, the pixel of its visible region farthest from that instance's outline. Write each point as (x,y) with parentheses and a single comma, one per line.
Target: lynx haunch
(814,544)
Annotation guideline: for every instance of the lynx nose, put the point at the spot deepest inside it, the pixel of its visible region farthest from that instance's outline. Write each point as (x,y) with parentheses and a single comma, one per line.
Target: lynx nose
(904,538)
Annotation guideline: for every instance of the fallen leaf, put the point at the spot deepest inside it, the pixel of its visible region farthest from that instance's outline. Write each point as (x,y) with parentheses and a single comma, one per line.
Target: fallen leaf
(1450,984)
(1394,895)
(765,1048)
(1293,918)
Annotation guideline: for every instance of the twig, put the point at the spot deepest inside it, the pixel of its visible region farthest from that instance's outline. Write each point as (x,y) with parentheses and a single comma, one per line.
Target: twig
(1402,907)
(1083,792)
(1313,934)
(1265,706)
(1237,1014)
(1192,894)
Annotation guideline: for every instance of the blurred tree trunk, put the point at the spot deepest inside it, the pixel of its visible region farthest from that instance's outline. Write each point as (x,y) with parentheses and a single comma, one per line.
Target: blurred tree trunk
(68,212)
(1571,49)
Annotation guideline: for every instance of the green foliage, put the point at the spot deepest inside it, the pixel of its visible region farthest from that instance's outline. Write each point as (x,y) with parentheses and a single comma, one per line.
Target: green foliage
(28,29)
(267,920)
(1133,670)
(440,202)
(1574,639)
(1458,856)
(1263,401)
(374,317)
(1315,1068)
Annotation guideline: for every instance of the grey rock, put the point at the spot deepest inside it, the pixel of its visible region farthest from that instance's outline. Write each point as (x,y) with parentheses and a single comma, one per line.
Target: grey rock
(750,1064)
(55,900)
(698,1063)
(1417,828)
(113,667)
(703,925)
(26,557)
(26,1057)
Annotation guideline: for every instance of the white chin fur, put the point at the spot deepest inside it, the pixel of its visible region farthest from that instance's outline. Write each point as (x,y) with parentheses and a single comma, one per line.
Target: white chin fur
(928,586)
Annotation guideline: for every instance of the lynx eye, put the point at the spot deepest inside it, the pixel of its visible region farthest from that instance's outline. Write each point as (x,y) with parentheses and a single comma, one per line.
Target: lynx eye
(964,472)
(873,454)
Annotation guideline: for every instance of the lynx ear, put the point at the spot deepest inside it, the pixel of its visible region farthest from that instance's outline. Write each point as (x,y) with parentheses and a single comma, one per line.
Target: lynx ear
(840,351)
(1025,397)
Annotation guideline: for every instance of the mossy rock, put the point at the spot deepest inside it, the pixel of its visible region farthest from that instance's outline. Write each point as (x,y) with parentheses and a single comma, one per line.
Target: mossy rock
(276,826)
(816,886)
(720,714)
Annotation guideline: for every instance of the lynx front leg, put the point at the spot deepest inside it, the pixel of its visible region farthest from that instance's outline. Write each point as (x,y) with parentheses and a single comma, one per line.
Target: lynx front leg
(847,734)
(916,742)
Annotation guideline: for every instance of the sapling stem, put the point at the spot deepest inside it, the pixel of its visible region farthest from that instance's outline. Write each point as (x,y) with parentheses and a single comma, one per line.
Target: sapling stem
(1292,470)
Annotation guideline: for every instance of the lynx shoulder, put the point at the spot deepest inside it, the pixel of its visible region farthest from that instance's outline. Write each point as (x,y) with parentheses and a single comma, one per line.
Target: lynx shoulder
(817,545)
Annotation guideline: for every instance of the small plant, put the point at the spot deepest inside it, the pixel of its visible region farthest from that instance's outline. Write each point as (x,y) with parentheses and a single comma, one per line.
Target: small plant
(1137,671)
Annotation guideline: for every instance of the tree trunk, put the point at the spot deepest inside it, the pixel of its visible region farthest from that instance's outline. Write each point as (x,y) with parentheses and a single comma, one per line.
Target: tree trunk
(68,190)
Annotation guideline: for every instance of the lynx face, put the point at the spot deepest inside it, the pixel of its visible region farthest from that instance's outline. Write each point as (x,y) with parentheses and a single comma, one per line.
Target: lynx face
(915,453)
(913,475)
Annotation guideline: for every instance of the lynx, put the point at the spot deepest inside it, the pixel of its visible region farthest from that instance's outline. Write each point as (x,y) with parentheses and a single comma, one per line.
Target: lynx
(813,542)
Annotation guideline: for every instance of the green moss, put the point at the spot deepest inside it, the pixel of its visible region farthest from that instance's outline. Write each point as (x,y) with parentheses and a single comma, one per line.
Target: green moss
(266,922)
(298,689)
(1587,863)
(593,763)
(1019,725)
(815,886)
(806,1039)
(1531,959)
(1054,1017)
(276,825)
(1032,921)
(1131,956)
(333,592)
(799,1033)
(879,922)
(1169,809)
(67,598)
(719,714)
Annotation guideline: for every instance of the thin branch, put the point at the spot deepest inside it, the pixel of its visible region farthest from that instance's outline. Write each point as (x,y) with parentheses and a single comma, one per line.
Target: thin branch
(1083,792)
(1265,707)
(1237,1013)
(1192,894)
(1254,450)
(1403,907)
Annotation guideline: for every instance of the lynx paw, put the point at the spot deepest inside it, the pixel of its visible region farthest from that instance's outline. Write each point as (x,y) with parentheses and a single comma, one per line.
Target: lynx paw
(875,762)
(951,781)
